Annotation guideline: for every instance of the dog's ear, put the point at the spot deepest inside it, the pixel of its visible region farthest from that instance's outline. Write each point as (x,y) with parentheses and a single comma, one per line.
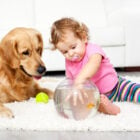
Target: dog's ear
(8,51)
(40,42)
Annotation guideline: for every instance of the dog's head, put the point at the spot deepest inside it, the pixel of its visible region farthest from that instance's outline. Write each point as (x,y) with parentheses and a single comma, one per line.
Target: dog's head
(21,49)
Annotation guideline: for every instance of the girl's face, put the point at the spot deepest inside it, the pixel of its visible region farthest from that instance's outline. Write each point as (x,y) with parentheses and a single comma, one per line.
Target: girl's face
(72,47)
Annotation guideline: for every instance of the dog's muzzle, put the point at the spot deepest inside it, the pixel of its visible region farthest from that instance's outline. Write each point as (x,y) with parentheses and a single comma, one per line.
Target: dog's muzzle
(41,69)
(21,67)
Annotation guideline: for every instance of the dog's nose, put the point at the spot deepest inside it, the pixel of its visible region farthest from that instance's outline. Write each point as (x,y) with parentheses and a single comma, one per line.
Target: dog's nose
(41,69)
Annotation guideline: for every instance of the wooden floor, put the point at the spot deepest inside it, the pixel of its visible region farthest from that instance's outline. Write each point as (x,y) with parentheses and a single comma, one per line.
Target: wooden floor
(61,135)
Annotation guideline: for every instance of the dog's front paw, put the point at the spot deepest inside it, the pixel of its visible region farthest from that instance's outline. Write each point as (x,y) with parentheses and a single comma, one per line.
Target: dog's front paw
(6,112)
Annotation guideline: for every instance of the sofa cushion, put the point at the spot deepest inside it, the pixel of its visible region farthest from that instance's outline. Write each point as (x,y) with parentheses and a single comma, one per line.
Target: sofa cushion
(108,36)
(116,55)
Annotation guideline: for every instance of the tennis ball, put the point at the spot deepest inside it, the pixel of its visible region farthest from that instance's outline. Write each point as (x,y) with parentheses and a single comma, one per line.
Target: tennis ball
(42,97)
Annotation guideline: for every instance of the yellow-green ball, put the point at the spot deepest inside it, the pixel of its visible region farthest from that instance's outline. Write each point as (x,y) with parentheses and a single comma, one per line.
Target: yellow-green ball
(42,97)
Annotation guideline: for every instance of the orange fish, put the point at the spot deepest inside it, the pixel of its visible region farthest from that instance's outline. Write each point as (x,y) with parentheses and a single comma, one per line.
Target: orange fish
(90,105)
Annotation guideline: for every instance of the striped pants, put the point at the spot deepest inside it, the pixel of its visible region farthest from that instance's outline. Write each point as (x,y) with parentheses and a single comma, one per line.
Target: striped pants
(125,90)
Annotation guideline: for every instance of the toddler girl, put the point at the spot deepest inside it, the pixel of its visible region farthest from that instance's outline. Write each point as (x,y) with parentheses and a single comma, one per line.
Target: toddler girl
(85,60)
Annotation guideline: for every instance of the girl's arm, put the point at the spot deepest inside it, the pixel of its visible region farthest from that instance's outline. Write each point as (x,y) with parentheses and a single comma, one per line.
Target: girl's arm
(89,69)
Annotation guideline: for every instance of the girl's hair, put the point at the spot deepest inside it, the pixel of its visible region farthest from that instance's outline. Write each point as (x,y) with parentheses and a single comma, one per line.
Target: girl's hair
(59,27)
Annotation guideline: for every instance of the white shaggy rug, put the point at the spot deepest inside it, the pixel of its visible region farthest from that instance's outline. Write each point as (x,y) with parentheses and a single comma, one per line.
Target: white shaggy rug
(43,117)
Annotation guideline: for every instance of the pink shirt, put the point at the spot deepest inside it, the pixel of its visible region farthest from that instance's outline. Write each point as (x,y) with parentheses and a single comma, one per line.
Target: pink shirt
(106,77)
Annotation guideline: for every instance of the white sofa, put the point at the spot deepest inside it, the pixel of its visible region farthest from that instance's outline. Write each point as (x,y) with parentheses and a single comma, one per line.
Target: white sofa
(113,24)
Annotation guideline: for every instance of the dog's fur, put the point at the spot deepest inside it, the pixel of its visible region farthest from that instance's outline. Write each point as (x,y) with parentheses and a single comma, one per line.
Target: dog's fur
(20,62)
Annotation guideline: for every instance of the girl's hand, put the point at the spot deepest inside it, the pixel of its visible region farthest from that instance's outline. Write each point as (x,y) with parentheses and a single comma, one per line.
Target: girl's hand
(77,93)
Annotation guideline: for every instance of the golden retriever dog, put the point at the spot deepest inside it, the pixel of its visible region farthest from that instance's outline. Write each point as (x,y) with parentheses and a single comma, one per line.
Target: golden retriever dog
(20,63)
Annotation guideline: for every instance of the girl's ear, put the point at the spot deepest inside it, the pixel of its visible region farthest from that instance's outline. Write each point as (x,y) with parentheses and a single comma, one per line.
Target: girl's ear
(85,38)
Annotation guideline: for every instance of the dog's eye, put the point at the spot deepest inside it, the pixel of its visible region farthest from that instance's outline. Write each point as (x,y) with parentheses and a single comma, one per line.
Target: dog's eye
(26,52)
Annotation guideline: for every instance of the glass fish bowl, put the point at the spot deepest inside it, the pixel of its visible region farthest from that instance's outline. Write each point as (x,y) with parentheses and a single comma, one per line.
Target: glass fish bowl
(76,102)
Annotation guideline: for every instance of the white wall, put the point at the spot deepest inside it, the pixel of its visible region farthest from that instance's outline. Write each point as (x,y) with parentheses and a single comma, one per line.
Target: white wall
(42,13)
(15,13)
(116,32)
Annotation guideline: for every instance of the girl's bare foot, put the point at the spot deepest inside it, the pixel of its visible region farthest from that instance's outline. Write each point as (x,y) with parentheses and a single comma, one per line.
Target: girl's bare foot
(107,107)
